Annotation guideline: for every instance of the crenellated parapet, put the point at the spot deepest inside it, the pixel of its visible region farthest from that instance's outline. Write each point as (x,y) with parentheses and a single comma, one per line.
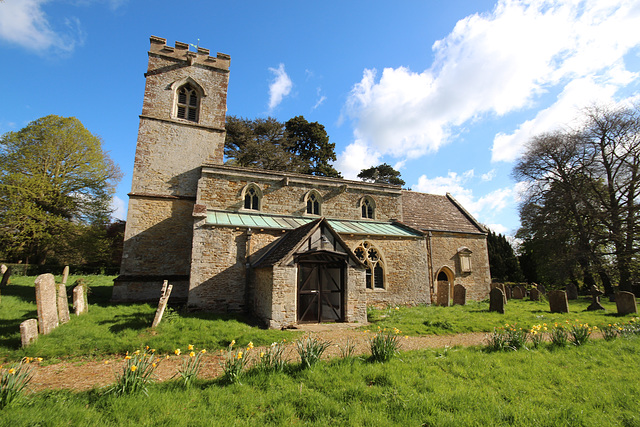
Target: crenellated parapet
(181,52)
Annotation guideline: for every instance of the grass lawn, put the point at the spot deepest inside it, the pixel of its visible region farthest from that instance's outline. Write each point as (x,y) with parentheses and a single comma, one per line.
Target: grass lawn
(594,384)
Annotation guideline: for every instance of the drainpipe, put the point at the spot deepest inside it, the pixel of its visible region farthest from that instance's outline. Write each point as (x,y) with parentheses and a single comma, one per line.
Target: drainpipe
(247,273)
(430,263)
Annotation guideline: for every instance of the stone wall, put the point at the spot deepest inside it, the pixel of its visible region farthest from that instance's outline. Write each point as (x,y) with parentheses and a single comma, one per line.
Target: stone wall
(220,188)
(406,270)
(444,247)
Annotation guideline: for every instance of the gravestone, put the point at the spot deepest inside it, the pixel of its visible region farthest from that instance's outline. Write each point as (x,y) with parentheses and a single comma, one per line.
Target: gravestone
(65,275)
(504,291)
(80,305)
(46,302)
(443,293)
(508,292)
(3,269)
(63,303)
(541,289)
(517,293)
(626,303)
(572,291)
(595,299)
(534,294)
(28,331)
(162,304)
(459,295)
(5,277)
(496,300)
(558,302)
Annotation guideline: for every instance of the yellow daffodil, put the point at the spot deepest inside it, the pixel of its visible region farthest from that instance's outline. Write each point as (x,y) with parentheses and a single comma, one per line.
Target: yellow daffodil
(154,364)
(12,371)
(250,346)
(146,347)
(192,354)
(136,352)
(261,354)
(127,357)
(190,347)
(39,359)
(177,351)
(203,351)
(233,342)
(133,368)
(239,355)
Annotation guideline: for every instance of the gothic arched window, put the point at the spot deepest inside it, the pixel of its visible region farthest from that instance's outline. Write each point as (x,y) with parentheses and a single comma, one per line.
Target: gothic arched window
(313,203)
(371,258)
(188,103)
(252,196)
(368,207)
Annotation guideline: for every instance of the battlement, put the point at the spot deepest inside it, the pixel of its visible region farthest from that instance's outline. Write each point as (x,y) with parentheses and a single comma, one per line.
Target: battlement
(181,52)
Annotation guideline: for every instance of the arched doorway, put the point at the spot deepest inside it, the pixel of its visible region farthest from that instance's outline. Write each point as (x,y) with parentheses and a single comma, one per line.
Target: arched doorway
(444,287)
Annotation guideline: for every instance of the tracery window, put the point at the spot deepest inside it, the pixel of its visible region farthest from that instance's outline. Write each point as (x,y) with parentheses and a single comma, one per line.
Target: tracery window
(368,207)
(371,258)
(252,197)
(188,103)
(313,203)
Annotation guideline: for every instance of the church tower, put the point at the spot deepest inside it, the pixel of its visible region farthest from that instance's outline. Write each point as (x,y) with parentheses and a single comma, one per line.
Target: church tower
(182,126)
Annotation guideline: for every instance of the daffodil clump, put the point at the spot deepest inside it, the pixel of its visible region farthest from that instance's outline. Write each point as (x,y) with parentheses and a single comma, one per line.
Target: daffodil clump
(14,379)
(235,361)
(137,372)
(272,358)
(612,331)
(559,334)
(310,350)
(579,332)
(191,364)
(509,337)
(384,344)
(537,334)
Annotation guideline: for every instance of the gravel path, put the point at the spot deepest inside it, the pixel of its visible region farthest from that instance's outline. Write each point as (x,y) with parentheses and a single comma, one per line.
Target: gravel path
(85,375)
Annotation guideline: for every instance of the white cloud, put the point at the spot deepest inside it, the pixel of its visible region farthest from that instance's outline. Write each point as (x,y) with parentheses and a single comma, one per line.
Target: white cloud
(497,228)
(354,158)
(24,23)
(280,86)
(489,175)
(482,208)
(497,63)
(119,208)
(321,98)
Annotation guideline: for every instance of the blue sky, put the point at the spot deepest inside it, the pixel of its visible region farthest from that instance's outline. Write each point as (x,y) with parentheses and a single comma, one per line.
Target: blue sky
(447,92)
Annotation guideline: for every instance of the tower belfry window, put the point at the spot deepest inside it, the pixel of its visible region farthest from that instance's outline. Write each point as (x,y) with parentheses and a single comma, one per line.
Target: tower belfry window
(188,103)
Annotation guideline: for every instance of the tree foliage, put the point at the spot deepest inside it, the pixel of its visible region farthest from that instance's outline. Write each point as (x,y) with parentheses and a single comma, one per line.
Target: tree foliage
(383,173)
(580,216)
(55,180)
(295,146)
(502,259)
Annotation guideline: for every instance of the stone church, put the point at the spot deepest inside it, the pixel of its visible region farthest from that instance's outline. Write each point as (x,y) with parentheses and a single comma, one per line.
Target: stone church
(285,247)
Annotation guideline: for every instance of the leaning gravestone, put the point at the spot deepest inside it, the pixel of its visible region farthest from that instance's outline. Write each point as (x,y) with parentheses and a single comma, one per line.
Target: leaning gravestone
(504,291)
(626,303)
(534,294)
(595,299)
(46,302)
(443,294)
(558,302)
(28,331)
(65,275)
(80,304)
(459,295)
(5,277)
(572,291)
(496,300)
(162,304)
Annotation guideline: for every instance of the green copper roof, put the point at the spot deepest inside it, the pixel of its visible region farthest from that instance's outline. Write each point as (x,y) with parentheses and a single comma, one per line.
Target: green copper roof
(241,219)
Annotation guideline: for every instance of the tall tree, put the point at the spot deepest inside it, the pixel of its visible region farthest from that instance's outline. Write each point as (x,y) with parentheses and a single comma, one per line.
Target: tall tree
(310,142)
(503,262)
(584,189)
(383,173)
(54,177)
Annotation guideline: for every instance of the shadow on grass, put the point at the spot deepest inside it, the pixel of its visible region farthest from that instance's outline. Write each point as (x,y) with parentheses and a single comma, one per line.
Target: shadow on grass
(135,321)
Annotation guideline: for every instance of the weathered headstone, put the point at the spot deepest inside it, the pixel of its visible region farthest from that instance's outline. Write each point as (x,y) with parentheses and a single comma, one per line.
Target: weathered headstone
(63,303)
(504,291)
(65,275)
(517,293)
(443,293)
(534,294)
(572,291)
(595,299)
(626,303)
(3,269)
(162,304)
(46,302)
(508,292)
(80,305)
(541,289)
(5,277)
(558,302)
(28,331)
(459,295)
(496,300)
